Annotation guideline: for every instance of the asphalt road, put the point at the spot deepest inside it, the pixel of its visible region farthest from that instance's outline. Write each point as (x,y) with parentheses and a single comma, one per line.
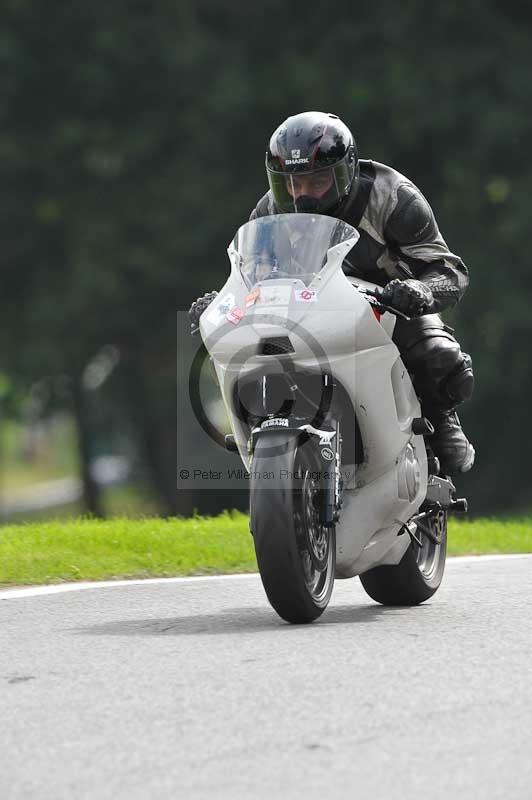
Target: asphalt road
(196,689)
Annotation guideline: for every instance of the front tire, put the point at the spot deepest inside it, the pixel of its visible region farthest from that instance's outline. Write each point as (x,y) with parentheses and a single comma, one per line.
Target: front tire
(296,554)
(419,573)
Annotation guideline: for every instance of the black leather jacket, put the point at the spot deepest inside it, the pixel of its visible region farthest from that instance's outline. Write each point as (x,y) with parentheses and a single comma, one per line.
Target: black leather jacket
(399,236)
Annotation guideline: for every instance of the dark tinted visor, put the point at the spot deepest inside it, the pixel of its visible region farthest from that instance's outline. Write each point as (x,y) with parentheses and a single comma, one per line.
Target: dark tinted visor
(324,187)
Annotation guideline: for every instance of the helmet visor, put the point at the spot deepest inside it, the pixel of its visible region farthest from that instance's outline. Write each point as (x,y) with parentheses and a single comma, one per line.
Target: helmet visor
(313,191)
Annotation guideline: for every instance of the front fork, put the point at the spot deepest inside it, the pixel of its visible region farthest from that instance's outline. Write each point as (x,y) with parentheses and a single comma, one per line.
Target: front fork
(330,450)
(329,442)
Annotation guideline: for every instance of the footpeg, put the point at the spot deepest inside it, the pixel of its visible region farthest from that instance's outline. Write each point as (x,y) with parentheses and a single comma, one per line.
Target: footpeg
(439,491)
(459,506)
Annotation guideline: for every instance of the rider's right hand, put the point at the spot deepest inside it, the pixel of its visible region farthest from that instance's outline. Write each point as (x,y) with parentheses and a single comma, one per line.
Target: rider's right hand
(411,297)
(198,307)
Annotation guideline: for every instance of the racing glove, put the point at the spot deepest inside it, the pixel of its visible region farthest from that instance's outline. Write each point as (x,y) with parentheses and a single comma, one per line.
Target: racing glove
(198,307)
(412,297)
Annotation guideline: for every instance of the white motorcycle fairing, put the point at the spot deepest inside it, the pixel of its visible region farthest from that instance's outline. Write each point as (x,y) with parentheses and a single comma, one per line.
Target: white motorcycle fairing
(332,329)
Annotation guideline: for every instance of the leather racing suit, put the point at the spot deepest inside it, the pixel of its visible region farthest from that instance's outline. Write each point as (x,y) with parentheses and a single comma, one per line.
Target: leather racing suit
(399,238)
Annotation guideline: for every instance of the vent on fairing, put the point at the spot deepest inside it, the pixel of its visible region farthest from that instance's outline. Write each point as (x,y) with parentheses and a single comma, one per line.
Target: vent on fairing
(275,346)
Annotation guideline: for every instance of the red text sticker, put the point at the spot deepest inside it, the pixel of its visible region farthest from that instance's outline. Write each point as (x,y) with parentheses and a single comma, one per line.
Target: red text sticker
(235,315)
(306,295)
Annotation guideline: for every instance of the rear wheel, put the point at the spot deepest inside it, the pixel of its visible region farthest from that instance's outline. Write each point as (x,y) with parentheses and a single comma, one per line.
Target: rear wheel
(296,554)
(419,573)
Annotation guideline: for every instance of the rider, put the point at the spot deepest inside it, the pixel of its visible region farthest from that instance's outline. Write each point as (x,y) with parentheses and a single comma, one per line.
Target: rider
(313,166)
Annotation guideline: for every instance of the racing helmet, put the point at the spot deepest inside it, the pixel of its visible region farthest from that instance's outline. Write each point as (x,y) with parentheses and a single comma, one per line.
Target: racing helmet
(312,163)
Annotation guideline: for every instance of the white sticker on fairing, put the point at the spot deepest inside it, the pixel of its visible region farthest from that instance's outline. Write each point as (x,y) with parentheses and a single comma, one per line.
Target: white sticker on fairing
(226,303)
(219,309)
(276,422)
(274,295)
(306,296)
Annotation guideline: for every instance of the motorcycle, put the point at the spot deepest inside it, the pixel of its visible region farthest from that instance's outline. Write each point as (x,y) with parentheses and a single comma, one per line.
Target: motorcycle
(326,421)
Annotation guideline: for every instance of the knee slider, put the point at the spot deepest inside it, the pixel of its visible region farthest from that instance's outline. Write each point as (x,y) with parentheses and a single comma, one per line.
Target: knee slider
(460,383)
(435,356)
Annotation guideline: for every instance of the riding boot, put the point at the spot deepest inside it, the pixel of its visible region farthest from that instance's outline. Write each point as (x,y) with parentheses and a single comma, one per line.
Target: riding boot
(449,443)
(443,378)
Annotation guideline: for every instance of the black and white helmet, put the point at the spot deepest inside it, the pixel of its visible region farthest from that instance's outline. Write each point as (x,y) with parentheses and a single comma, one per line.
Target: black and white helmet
(312,163)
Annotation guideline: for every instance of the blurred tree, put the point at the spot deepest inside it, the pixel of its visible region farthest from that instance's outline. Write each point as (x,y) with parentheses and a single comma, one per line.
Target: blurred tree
(131,148)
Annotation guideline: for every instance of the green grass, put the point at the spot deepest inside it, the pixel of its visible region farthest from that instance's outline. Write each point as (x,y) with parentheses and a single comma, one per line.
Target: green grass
(87,549)
(489,535)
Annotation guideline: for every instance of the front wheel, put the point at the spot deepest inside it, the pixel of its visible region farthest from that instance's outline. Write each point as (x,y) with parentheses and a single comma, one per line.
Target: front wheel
(419,573)
(296,554)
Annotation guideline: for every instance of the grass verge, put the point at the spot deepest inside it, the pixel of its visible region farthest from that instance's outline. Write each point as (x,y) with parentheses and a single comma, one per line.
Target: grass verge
(88,549)
(489,535)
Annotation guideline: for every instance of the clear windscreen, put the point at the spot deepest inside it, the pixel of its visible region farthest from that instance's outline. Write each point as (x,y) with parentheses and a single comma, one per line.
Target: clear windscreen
(288,246)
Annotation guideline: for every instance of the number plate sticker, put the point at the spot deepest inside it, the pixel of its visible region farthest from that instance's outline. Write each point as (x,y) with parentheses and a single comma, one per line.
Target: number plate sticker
(275,295)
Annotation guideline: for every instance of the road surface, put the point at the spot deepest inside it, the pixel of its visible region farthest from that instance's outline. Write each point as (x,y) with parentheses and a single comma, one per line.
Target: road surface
(195,689)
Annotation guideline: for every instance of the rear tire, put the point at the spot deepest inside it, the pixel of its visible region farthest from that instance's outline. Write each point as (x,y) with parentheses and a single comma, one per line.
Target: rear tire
(296,554)
(419,573)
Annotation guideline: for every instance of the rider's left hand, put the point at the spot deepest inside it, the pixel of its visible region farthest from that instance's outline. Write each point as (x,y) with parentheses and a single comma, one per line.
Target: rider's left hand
(198,307)
(412,297)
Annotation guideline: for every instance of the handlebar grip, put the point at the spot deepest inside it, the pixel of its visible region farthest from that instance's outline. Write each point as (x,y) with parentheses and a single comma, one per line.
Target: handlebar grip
(377,295)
